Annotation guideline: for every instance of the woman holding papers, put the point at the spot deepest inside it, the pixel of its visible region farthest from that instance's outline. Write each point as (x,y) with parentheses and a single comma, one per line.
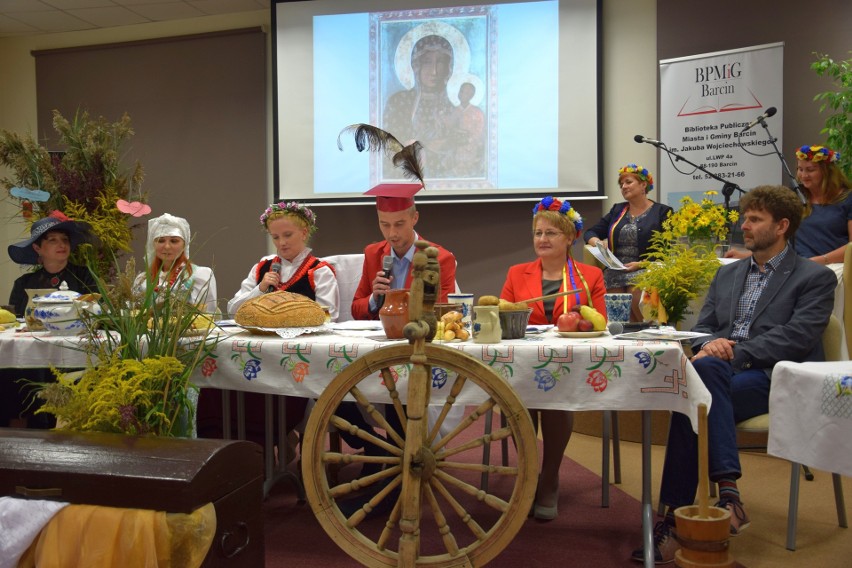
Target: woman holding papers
(626,230)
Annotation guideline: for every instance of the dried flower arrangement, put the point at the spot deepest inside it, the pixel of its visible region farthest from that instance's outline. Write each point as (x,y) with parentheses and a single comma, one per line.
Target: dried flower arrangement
(85,180)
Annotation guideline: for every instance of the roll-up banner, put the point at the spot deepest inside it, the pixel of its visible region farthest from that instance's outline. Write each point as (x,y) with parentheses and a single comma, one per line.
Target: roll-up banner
(706,104)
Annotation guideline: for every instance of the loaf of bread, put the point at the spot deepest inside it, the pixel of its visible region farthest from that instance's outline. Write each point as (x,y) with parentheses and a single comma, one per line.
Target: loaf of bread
(280,309)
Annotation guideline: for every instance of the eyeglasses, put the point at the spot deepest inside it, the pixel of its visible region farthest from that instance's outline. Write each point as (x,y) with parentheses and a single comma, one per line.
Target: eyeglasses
(549,235)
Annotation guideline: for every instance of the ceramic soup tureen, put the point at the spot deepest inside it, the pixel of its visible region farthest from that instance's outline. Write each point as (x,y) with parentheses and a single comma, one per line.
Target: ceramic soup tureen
(60,311)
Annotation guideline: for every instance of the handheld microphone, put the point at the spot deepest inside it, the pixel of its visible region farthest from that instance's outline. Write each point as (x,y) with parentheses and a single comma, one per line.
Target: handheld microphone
(615,328)
(387,265)
(639,139)
(276,268)
(769,112)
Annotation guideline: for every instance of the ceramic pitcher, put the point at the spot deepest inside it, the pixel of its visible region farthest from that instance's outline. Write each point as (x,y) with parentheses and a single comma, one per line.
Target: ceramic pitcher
(486,324)
(394,313)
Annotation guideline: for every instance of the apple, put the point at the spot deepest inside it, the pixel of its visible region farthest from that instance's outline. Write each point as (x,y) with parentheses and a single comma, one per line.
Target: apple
(568,321)
(576,308)
(585,325)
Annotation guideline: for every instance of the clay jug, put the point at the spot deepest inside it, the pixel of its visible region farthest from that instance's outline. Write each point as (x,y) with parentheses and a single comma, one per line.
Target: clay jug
(486,324)
(394,313)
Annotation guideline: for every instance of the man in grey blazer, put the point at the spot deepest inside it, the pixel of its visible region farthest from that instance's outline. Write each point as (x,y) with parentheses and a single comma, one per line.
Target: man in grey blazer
(771,306)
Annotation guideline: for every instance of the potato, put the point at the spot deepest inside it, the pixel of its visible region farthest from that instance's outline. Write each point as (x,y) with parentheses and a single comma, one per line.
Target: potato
(507,306)
(489,301)
(452,316)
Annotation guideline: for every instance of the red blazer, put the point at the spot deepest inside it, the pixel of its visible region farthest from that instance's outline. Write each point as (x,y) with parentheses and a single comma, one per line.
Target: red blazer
(524,281)
(373,255)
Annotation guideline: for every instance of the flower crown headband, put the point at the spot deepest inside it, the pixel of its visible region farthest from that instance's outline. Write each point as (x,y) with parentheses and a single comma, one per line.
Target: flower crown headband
(638,171)
(817,154)
(291,207)
(563,208)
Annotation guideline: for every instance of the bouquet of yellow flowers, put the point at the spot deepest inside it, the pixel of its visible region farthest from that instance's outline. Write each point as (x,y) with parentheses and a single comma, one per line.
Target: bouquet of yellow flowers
(706,220)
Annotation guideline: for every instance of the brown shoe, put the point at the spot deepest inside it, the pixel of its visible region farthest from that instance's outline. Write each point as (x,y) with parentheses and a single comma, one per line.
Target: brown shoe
(739,518)
(665,545)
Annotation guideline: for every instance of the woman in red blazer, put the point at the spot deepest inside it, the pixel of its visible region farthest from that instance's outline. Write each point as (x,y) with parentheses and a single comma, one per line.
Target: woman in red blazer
(556,225)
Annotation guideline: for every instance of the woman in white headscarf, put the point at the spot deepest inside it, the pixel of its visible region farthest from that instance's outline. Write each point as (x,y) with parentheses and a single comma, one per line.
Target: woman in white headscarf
(169,264)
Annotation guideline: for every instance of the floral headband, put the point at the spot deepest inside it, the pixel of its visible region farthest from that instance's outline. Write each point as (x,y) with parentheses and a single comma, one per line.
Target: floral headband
(562,207)
(291,207)
(638,171)
(817,154)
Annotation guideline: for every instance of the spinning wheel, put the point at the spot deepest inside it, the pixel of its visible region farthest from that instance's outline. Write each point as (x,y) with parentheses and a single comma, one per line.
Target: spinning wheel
(422,508)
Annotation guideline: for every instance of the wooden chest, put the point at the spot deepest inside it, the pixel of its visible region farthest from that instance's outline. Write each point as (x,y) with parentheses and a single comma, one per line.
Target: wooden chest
(163,474)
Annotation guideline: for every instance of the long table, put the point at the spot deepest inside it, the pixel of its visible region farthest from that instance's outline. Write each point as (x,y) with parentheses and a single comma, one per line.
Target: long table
(547,371)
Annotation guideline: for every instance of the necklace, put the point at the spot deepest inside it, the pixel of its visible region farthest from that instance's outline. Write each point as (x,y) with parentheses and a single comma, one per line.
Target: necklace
(55,279)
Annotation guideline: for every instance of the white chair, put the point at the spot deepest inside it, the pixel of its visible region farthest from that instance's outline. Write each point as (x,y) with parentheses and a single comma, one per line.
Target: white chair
(347,270)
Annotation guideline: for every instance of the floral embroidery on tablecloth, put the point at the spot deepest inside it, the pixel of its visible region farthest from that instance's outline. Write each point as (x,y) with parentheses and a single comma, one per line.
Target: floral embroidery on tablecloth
(340,357)
(599,378)
(837,396)
(250,367)
(294,360)
(209,366)
(499,358)
(650,359)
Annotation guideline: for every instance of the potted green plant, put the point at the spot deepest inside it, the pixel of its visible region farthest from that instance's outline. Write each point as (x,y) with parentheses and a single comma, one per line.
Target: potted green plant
(675,274)
(838,126)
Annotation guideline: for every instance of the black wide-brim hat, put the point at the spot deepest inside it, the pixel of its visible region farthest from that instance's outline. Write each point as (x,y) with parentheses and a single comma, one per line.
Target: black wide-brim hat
(78,232)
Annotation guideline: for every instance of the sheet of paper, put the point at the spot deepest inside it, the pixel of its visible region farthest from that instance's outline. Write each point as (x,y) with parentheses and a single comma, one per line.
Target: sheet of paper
(605,256)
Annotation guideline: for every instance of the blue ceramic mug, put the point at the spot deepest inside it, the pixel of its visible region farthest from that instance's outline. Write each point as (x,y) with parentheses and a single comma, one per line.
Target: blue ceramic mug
(618,307)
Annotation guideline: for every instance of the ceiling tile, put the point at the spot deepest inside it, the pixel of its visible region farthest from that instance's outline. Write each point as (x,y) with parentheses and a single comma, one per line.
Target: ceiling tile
(12,6)
(12,27)
(163,11)
(224,6)
(75,4)
(53,21)
(108,17)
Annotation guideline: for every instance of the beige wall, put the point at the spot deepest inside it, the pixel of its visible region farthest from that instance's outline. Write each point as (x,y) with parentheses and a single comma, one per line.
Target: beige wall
(629,101)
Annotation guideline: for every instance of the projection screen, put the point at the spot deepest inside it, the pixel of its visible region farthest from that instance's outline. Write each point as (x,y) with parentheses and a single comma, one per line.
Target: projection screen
(503,97)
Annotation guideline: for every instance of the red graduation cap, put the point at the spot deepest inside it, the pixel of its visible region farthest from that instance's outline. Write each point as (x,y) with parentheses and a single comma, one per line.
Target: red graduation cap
(392,197)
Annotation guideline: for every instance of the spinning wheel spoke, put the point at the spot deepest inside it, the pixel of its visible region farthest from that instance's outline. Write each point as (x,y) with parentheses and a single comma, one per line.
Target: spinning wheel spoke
(368,507)
(390,526)
(390,384)
(378,416)
(441,522)
(466,423)
(347,488)
(344,425)
(458,384)
(495,436)
(479,467)
(489,499)
(460,511)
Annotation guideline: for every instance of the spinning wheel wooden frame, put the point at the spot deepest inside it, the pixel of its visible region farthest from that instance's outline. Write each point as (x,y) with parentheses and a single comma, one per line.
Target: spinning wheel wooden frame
(426,484)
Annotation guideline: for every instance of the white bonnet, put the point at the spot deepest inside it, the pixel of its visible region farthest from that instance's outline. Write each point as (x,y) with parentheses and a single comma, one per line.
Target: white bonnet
(167,226)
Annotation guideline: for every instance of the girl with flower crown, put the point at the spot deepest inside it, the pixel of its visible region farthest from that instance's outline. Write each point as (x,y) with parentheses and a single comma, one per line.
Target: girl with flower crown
(627,230)
(555,227)
(293,268)
(826,227)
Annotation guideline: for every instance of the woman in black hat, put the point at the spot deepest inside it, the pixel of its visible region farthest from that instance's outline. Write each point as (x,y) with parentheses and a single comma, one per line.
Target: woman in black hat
(52,240)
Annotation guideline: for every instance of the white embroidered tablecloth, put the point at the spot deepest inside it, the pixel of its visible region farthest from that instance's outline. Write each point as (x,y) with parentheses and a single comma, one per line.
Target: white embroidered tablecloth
(810,414)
